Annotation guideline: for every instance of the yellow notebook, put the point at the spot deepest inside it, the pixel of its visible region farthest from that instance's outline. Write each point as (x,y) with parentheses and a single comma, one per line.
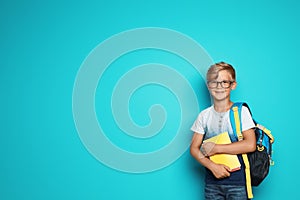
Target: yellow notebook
(229,160)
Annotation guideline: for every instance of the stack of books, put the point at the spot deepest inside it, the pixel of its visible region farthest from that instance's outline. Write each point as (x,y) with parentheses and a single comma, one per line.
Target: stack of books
(229,160)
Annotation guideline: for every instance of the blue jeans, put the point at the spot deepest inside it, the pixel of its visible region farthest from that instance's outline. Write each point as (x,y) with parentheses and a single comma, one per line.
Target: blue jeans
(225,192)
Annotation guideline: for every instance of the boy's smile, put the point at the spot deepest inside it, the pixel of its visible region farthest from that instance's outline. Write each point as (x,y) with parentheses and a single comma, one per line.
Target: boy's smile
(220,95)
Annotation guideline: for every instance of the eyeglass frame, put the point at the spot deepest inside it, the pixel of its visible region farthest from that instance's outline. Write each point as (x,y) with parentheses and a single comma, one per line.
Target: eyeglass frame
(221,83)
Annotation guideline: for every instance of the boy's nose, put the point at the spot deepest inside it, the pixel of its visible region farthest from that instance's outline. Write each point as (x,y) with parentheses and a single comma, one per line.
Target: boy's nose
(219,85)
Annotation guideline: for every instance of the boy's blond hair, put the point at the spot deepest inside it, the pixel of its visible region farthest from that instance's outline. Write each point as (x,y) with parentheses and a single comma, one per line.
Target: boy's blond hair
(213,71)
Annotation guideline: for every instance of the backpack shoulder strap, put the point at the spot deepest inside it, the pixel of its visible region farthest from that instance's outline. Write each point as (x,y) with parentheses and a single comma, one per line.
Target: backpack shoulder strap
(236,123)
(235,116)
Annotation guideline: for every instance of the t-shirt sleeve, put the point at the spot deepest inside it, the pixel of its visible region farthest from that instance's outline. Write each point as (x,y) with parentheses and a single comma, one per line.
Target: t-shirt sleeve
(247,122)
(197,127)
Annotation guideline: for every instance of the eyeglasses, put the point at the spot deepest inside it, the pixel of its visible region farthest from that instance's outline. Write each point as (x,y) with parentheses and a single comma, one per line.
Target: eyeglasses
(224,84)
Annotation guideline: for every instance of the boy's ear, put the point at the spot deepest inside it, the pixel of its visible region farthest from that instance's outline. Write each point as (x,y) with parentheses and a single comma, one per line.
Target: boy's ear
(233,86)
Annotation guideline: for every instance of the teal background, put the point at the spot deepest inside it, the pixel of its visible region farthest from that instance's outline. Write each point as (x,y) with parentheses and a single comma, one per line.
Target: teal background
(42,45)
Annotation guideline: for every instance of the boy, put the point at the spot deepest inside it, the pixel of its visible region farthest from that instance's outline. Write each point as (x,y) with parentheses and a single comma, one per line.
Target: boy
(220,183)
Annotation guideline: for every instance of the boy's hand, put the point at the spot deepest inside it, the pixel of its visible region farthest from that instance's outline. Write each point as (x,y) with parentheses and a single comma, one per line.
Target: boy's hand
(220,171)
(207,148)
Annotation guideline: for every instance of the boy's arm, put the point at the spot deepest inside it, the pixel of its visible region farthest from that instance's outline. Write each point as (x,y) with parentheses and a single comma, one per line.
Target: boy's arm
(219,170)
(248,144)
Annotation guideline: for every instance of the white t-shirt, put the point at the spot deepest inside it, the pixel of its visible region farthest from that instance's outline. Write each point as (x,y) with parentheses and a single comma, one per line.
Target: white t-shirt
(212,123)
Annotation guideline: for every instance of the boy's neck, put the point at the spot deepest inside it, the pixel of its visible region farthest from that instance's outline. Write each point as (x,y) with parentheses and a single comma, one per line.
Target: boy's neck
(222,106)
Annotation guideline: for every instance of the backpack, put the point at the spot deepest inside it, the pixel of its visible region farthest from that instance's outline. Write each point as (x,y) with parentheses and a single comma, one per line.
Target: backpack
(257,163)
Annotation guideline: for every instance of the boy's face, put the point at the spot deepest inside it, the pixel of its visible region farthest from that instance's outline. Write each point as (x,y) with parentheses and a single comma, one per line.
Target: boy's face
(221,87)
